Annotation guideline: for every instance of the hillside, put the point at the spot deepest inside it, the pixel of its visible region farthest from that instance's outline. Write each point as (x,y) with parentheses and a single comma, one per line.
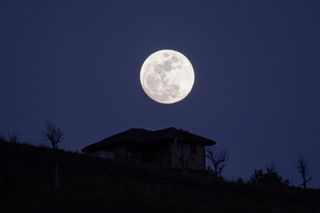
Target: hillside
(88,184)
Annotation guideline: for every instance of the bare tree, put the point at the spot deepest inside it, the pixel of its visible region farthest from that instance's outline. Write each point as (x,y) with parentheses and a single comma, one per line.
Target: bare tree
(218,160)
(303,169)
(53,134)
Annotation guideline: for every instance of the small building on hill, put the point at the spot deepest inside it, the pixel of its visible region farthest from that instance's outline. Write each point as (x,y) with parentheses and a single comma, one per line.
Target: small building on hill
(167,148)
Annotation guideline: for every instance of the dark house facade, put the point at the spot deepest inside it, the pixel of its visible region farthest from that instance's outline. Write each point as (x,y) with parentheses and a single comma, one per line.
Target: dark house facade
(167,148)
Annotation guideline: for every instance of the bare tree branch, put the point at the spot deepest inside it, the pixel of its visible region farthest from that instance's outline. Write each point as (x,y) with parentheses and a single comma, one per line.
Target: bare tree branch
(218,160)
(53,134)
(303,169)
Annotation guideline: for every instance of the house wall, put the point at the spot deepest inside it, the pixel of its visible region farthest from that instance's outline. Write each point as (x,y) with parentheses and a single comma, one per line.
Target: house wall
(181,156)
(158,156)
(163,156)
(118,153)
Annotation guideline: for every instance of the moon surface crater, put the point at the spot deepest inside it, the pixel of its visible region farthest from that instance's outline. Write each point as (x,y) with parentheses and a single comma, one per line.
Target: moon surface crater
(167,76)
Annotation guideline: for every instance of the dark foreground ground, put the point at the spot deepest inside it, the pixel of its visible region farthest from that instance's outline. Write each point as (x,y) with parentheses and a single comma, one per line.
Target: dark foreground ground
(87,184)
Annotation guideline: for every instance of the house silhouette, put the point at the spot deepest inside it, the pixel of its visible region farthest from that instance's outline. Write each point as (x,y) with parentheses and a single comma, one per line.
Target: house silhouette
(166,148)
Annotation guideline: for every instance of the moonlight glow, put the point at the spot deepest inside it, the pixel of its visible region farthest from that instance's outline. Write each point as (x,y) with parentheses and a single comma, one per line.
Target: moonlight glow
(167,76)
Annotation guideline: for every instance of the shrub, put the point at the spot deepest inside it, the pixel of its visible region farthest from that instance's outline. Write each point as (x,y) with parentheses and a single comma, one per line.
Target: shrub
(269,177)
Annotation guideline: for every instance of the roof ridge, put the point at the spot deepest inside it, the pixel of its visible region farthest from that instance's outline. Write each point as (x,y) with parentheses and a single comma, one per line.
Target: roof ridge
(144,136)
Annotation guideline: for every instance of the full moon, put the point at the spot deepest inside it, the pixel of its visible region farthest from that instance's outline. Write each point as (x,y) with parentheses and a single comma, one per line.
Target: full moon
(167,76)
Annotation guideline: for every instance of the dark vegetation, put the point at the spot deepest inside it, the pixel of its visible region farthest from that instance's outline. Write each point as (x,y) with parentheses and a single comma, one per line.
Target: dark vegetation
(268,177)
(88,184)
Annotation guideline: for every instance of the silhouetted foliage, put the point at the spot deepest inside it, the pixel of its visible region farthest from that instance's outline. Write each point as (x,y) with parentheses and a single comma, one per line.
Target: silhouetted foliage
(268,177)
(91,184)
(13,138)
(240,181)
(53,134)
(303,170)
(218,160)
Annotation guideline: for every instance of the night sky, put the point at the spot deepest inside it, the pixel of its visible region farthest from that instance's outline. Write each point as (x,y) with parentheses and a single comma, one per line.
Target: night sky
(256,65)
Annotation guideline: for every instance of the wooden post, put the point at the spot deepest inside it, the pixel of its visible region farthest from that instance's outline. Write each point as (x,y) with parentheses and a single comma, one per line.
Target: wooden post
(57,176)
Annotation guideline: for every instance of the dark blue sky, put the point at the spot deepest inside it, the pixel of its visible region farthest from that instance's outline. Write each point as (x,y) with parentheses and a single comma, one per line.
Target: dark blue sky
(256,67)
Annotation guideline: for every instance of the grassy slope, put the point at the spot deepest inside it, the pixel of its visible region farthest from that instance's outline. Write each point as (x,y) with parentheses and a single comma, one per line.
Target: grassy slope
(93,185)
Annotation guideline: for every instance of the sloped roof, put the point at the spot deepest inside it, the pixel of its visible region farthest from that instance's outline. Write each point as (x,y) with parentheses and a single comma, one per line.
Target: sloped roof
(143,136)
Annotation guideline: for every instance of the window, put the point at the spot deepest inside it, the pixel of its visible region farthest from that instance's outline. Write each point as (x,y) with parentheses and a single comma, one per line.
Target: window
(193,149)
